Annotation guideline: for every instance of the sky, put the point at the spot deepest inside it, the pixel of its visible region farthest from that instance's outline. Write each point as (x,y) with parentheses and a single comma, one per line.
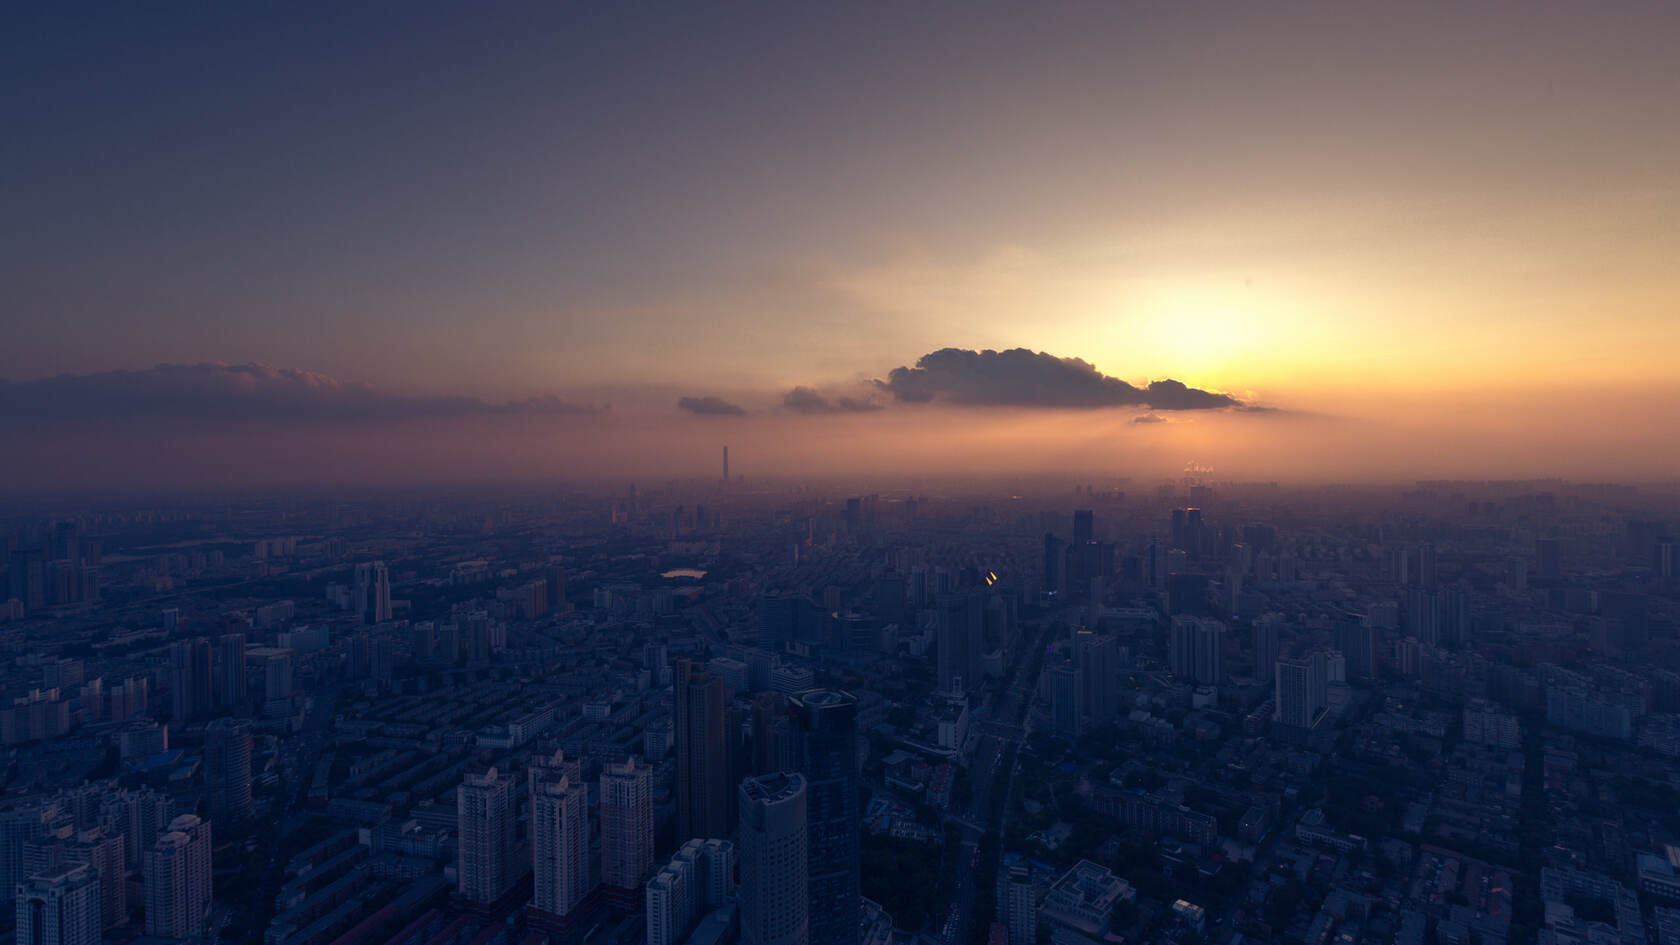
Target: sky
(1342,240)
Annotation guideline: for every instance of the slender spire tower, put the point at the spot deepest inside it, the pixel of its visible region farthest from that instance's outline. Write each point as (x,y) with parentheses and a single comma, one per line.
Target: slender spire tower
(726,464)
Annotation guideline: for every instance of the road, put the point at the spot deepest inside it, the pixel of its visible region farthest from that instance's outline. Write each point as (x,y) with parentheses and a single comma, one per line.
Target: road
(1004,725)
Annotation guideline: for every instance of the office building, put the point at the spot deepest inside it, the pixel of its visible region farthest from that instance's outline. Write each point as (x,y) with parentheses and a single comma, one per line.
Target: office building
(231,693)
(702,727)
(1196,650)
(826,723)
(1301,690)
(227,770)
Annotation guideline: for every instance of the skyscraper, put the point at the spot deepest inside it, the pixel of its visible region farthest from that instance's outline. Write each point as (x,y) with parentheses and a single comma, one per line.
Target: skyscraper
(1098,659)
(1267,643)
(1084,526)
(701,719)
(381,593)
(1021,907)
(962,624)
(178,879)
(1196,650)
(1067,700)
(59,907)
(231,694)
(773,748)
(774,892)
(227,769)
(626,828)
(826,722)
(1301,690)
(559,845)
(484,810)
(189,680)
(726,464)
(1357,641)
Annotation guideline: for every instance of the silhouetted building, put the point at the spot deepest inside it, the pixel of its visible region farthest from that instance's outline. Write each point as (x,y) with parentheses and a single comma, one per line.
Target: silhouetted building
(705,768)
(828,758)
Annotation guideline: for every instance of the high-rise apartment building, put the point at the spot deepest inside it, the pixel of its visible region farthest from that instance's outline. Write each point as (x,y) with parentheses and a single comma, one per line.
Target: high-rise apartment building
(485,823)
(626,827)
(560,845)
(227,769)
(177,874)
(59,907)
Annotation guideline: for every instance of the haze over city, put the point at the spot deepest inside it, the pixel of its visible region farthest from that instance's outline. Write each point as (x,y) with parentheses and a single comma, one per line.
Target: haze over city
(434,244)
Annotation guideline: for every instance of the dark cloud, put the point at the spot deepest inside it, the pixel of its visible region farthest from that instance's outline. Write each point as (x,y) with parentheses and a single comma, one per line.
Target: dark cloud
(810,400)
(215,391)
(710,406)
(1149,418)
(1022,378)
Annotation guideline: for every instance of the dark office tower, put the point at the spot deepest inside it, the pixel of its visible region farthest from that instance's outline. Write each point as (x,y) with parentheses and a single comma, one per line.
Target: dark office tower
(1193,529)
(230,673)
(1267,645)
(726,464)
(826,722)
(774,892)
(1454,610)
(889,598)
(1053,561)
(962,622)
(777,621)
(1426,566)
(1067,700)
(773,747)
(1179,533)
(1195,650)
(1548,558)
(1423,616)
(28,579)
(702,730)
(1084,526)
(1098,659)
(227,770)
(1357,642)
(189,680)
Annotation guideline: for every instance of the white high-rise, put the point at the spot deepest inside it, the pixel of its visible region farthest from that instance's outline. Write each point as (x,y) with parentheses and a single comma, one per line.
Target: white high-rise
(178,879)
(560,845)
(698,879)
(626,824)
(484,809)
(774,899)
(60,907)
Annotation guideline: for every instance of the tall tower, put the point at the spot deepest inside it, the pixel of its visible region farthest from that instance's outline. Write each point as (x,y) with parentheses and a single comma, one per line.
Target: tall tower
(59,907)
(701,716)
(189,681)
(381,593)
(774,895)
(726,464)
(1021,907)
(485,815)
(227,764)
(560,845)
(826,722)
(626,828)
(178,879)
(230,679)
